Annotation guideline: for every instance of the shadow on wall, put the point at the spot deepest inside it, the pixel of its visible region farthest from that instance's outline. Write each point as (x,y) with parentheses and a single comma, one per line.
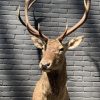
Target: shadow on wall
(93,38)
(13,82)
(91,27)
(94,43)
(92,50)
(36,22)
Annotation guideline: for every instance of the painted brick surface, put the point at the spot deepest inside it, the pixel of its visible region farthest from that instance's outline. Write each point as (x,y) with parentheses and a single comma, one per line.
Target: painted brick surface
(19,58)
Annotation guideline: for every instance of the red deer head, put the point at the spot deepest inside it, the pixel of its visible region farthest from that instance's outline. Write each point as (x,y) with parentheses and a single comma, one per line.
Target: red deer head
(52,84)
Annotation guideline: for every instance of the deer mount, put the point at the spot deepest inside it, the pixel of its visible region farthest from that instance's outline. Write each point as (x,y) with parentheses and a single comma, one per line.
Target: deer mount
(52,84)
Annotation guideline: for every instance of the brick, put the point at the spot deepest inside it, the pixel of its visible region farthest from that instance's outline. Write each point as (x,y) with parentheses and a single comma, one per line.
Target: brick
(4,2)
(96,94)
(14,77)
(95,74)
(92,89)
(75,89)
(88,84)
(30,62)
(22,37)
(91,79)
(76,94)
(45,1)
(75,78)
(75,84)
(21,67)
(80,73)
(59,1)
(79,53)
(96,84)
(91,69)
(75,68)
(18,83)
(73,58)
(20,98)
(22,94)
(88,94)
(7,36)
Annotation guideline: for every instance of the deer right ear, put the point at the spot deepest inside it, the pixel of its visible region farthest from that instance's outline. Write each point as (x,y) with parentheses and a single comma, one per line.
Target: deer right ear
(38,42)
(75,42)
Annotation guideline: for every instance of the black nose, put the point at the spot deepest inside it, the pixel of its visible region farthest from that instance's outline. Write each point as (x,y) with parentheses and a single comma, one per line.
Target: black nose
(45,66)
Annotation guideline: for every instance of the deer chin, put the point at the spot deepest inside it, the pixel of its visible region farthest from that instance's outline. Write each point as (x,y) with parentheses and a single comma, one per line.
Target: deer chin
(50,70)
(47,70)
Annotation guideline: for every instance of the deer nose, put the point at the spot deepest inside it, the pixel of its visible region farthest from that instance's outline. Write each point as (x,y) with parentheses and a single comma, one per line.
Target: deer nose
(44,66)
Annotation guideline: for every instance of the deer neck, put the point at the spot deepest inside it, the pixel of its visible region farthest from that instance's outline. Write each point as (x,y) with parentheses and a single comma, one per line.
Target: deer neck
(55,81)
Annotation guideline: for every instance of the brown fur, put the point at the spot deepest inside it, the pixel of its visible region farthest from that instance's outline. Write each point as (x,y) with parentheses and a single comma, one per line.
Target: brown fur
(52,84)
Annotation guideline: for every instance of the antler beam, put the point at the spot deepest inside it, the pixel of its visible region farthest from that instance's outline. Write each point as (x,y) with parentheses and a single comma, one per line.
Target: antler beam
(26,23)
(68,31)
(78,24)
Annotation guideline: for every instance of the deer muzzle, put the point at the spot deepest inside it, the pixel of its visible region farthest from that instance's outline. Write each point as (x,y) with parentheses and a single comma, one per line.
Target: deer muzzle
(45,65)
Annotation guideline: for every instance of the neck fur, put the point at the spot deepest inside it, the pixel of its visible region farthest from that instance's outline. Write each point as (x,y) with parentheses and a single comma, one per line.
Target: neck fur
(55,81)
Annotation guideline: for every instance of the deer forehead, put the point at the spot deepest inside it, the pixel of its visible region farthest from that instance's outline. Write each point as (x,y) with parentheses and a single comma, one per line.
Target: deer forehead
(54,44)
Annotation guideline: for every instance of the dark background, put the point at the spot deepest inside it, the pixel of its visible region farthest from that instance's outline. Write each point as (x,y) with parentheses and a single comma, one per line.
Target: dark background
(19,58)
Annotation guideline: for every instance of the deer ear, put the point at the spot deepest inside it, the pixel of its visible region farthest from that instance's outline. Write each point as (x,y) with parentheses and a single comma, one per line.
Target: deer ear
(75,42)
(38,42)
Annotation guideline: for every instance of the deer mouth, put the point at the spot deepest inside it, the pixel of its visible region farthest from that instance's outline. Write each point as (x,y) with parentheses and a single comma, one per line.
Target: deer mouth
(46,70)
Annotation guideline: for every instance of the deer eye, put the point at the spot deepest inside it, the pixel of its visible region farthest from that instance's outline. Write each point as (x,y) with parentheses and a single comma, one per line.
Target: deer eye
(61,49)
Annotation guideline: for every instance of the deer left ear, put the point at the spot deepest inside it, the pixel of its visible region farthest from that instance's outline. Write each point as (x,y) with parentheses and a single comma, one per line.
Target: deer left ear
(75,42)
(38,42)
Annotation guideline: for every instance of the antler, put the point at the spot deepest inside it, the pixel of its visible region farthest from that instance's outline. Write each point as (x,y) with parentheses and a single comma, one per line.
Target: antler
(78,24)
(33,31)
(26,23)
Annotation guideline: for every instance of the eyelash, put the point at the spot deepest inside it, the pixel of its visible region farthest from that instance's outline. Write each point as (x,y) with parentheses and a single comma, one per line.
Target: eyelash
(62,49)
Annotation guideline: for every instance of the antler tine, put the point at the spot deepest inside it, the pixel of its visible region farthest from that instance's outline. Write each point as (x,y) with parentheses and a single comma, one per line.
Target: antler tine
(26,23)
(62,36)
(21,20)
(29,27)
(78,24)
(31,3)
(87,5)
(18,10)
